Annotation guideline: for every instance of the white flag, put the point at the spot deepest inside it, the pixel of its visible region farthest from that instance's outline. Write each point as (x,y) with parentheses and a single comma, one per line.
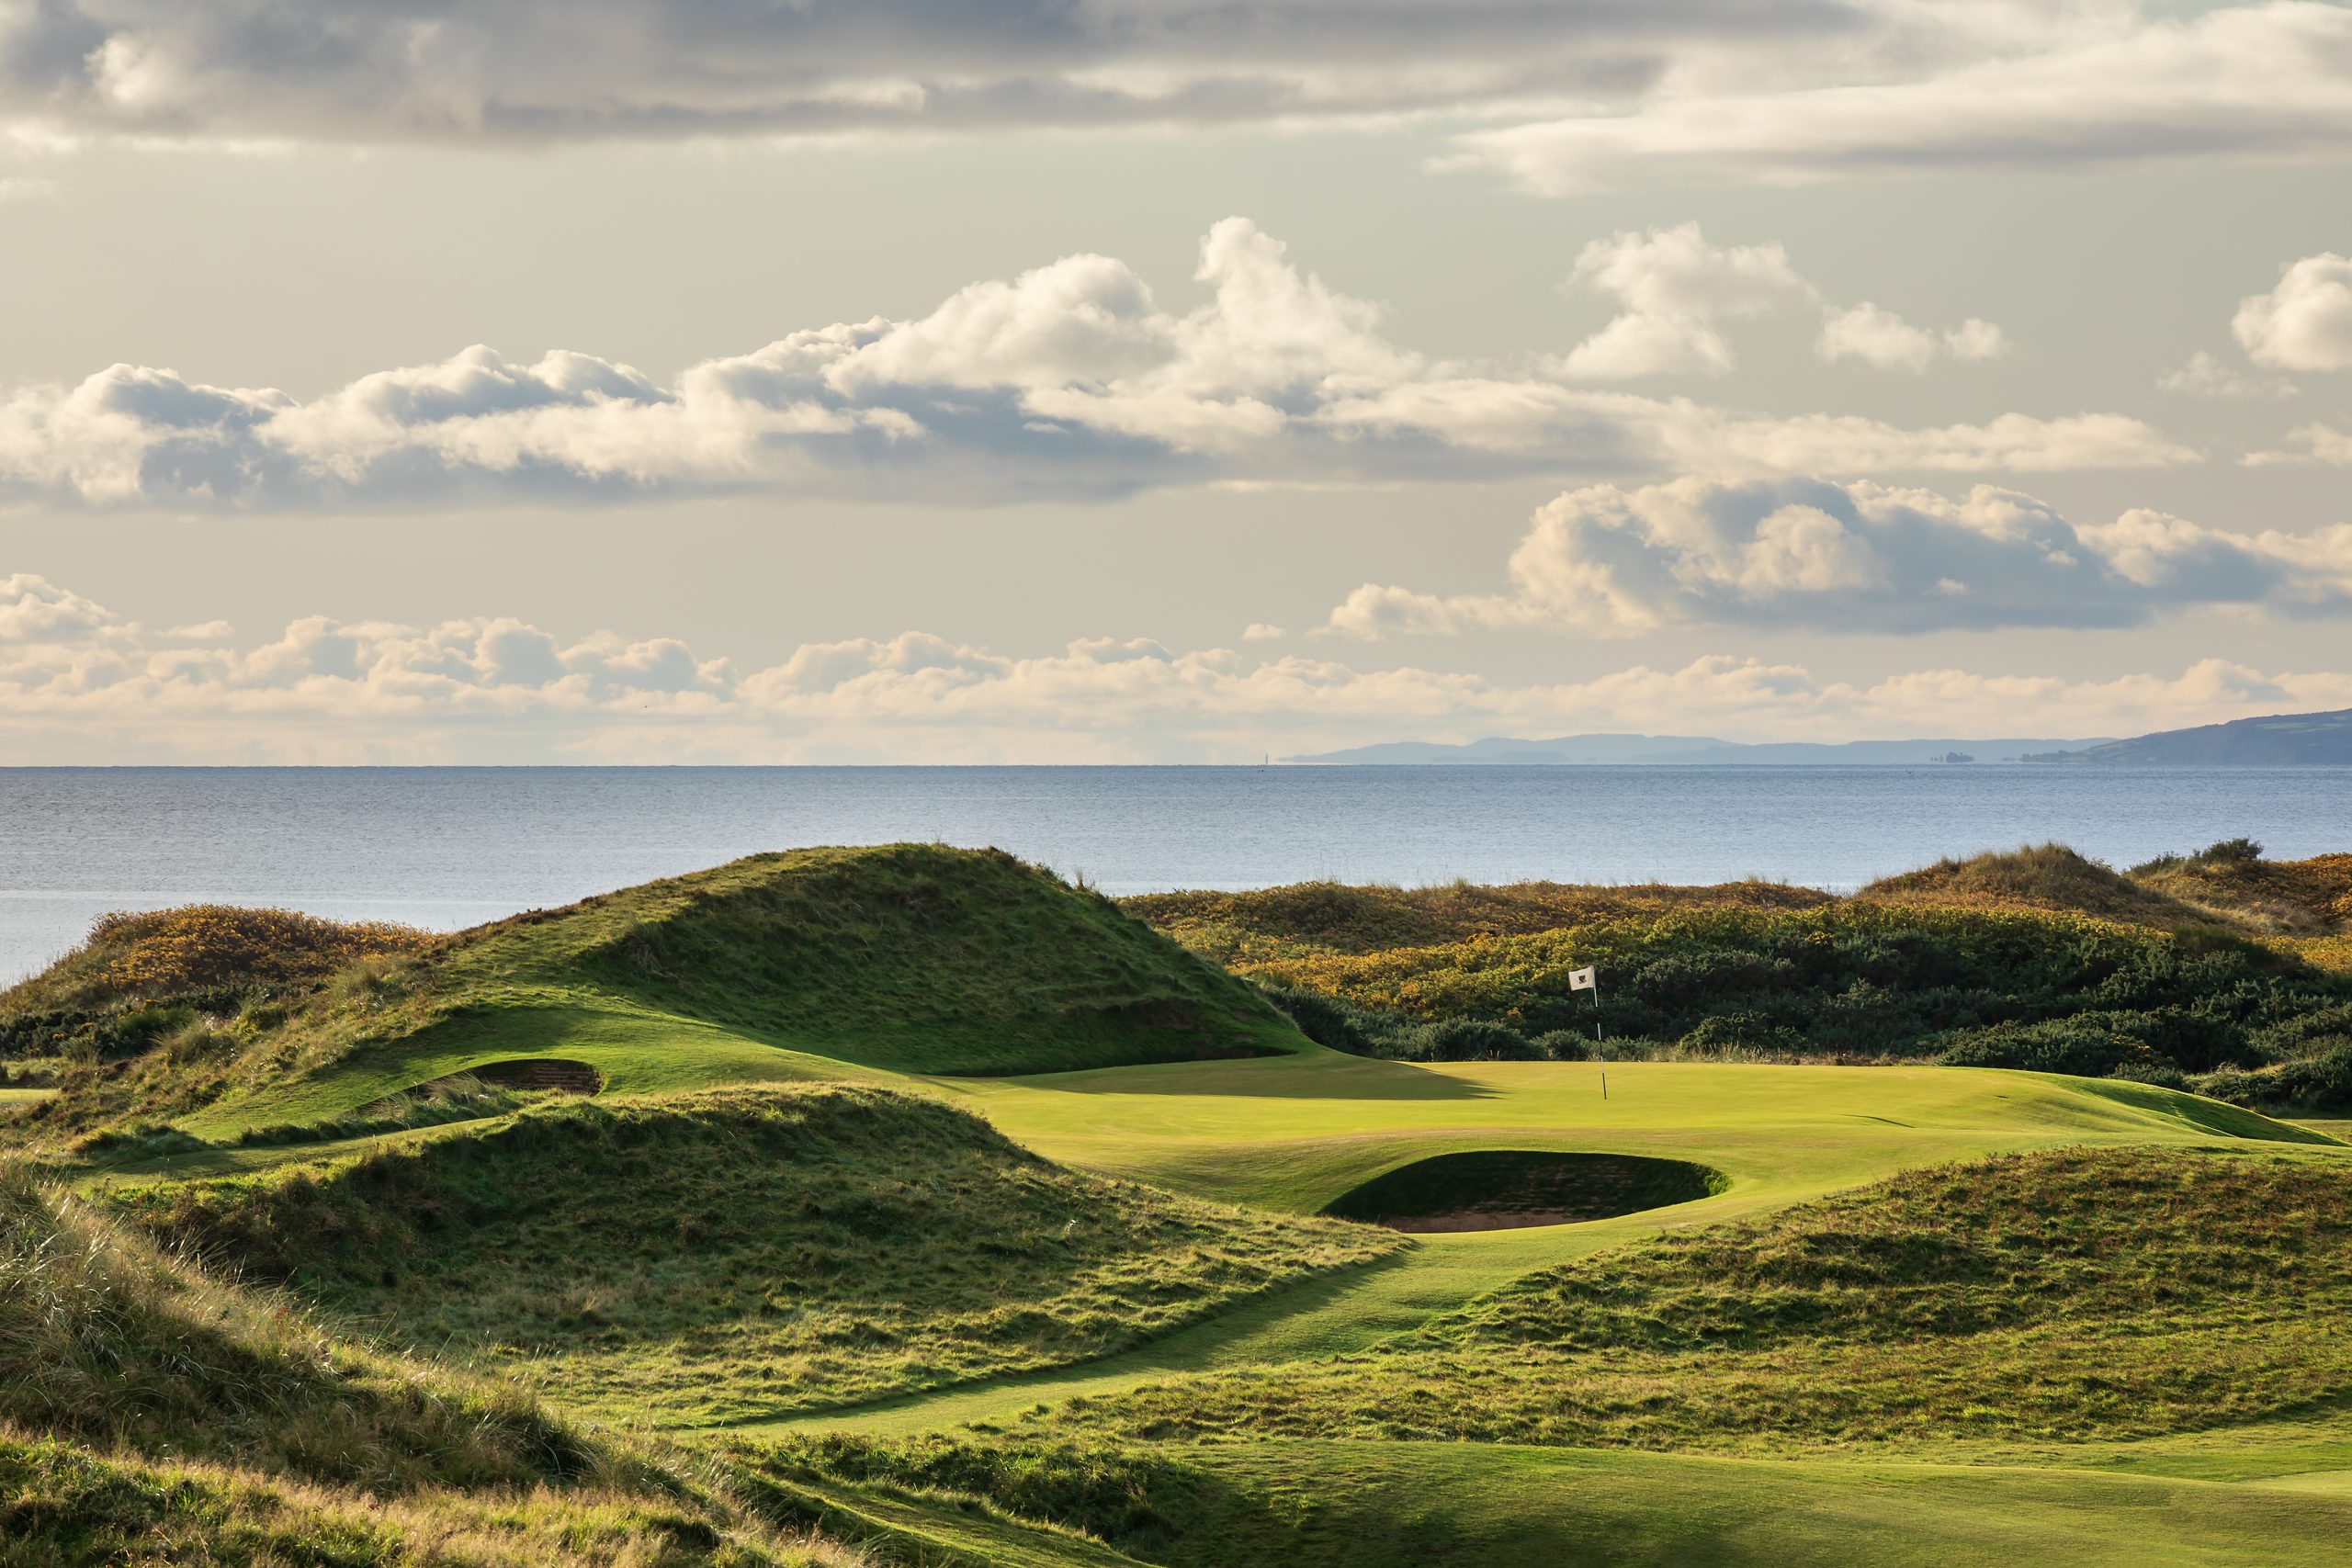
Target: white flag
(1581,979)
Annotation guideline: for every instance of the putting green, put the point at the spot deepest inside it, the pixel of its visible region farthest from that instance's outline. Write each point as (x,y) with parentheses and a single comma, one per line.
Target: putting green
(1291,1134)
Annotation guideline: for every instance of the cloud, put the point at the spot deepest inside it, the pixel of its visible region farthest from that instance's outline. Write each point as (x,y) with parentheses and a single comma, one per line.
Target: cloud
(90,687)
(25,187)
(353,71)
(2206,376)
(2102,86)
(2322,444)
(2305,324)
(1070,380)
(1816,555)
(1675,287)
(1675,290)
(1880,338)
(33,609)
(1263,631)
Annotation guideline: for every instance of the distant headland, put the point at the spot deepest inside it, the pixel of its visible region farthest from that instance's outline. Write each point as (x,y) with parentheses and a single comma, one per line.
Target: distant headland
(2305,739)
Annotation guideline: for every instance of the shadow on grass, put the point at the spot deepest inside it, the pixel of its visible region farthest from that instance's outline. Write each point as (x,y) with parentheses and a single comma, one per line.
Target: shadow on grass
(1191,1349)
(1323,1076)
(2205,1115)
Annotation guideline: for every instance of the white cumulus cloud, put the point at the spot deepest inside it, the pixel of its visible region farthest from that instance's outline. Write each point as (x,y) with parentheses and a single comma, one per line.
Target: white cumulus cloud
(2305,324)
(78,683)
(1880,338)
(1068,380)
(1675,289)
(1818,556)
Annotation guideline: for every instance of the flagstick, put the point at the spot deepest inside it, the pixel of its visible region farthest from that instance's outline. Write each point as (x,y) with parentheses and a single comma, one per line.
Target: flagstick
(1596,1035)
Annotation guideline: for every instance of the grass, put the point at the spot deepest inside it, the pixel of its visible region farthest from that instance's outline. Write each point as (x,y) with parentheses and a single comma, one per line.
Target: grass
(2070,1295)
(64,1505)
(706,1258)
(903,958)
(937,1206)
(1406,1505)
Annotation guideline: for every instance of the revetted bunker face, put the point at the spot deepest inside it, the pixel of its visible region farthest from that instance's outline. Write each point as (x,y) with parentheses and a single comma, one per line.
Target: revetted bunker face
(561,1073)
(1506,1189)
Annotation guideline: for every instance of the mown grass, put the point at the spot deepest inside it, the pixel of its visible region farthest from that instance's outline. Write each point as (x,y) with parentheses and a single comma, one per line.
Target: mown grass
(1326,1504)
(2068,1294)
(739,1253)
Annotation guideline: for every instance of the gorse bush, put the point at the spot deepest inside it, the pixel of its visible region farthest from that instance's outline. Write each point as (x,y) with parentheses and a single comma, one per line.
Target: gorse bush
(206,947)
(2044,990)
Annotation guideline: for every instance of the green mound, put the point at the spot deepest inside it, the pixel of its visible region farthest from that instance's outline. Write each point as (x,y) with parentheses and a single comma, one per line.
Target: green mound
(2063,1296)
(744,1252)
(911,957)
(1507,1189)
(906,958)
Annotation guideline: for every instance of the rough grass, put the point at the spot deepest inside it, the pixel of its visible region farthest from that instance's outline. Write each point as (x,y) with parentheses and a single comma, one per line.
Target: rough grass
(108,1340)
(905,957)
(745,1252)
(2035,876)
(1329,917)
(201,955)
(2305,897)
(63,1506)
(2064,1295)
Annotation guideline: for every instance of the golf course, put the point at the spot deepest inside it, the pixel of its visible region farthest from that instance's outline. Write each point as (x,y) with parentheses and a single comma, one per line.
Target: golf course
(912,1205)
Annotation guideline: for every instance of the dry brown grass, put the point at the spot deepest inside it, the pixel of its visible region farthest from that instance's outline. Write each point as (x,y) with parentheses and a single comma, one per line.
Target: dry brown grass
(2035,876)
(61,1502)
(1332,918)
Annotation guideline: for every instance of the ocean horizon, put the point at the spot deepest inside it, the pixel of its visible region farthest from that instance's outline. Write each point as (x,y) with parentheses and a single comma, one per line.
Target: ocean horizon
(445,848)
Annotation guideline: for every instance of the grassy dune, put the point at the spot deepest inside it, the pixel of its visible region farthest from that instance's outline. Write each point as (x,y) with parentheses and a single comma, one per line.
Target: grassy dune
(703,1259)
(817,962)
(151,1412)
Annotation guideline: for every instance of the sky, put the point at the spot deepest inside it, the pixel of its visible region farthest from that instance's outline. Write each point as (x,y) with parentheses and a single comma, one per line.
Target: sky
(1160,380)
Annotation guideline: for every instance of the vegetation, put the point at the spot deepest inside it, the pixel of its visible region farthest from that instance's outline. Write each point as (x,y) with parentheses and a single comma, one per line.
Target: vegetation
(2069,1295)
(2037,959)
(905,957)
(1080,1304)
(743,1252)
(141,975)
(151,1413)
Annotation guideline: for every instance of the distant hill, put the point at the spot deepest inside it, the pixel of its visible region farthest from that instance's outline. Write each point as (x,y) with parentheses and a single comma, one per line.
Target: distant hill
(2280,739)
(1695,751)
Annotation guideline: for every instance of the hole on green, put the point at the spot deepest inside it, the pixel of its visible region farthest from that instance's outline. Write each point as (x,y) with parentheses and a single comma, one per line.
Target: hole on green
(1491,1190)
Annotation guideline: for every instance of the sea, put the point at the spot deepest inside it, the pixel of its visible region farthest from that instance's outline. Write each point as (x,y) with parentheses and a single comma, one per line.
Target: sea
(445,848)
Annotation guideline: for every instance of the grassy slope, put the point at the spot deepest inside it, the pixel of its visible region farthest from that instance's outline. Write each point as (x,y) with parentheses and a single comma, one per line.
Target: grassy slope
(743,1252)
(816,962)
(149,1413)
(1406,1505)
(1331,917)
(2070,1295)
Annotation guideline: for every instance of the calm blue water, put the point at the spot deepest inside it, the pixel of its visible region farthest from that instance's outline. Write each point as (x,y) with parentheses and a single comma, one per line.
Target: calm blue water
(447,847)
